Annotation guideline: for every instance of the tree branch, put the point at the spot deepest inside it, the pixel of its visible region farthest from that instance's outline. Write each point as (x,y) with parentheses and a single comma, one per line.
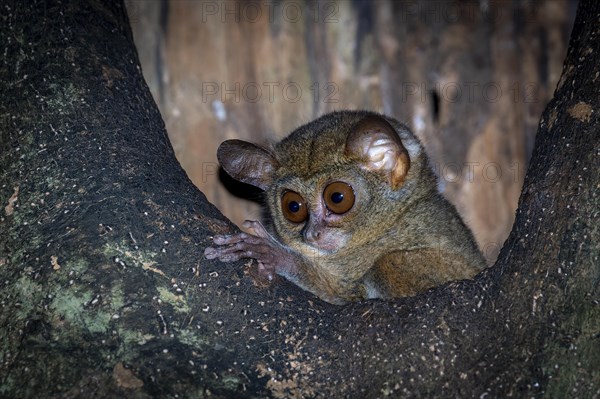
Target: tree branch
(105,291)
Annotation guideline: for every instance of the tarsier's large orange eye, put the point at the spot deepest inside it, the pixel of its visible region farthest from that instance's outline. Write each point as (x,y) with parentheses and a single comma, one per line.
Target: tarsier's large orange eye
(293,207)
(338,197)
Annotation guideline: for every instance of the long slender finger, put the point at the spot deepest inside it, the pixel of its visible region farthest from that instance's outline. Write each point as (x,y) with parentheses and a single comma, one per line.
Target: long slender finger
(238,238)
(239,250)
(224,254)
(248,242)
(229,239)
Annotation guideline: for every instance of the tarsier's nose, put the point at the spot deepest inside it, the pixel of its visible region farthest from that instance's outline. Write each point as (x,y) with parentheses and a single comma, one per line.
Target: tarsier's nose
(324,238)
(312,234)
(313,231)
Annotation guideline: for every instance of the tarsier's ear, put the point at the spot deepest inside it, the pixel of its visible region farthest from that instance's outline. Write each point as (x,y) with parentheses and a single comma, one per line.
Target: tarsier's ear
(247,162)
(377,145)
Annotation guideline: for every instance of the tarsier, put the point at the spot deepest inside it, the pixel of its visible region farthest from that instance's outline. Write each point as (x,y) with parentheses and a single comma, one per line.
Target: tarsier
(353,211)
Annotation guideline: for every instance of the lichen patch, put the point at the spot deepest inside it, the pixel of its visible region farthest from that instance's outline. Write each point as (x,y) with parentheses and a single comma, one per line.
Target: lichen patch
(54,263)
(10,208)
(150,266)
(125,377)
(581,111)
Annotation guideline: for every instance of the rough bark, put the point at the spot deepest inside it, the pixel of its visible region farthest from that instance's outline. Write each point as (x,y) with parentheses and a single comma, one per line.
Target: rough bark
(105,292)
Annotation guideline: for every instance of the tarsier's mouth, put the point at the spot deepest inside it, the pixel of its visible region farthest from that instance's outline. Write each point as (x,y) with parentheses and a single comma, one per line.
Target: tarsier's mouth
(326,245)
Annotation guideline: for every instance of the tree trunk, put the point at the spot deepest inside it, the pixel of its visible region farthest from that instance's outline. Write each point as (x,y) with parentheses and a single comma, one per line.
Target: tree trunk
(105,292)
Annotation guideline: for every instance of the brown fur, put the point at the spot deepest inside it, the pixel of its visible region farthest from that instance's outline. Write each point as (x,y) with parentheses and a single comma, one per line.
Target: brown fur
(400,238)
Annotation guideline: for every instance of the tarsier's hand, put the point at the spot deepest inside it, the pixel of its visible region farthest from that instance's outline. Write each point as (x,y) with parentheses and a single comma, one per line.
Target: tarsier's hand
(272,257)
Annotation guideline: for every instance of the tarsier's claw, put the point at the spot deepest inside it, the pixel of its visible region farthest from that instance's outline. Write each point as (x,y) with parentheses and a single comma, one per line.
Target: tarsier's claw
(219,239)
(210,253)
(265,271)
